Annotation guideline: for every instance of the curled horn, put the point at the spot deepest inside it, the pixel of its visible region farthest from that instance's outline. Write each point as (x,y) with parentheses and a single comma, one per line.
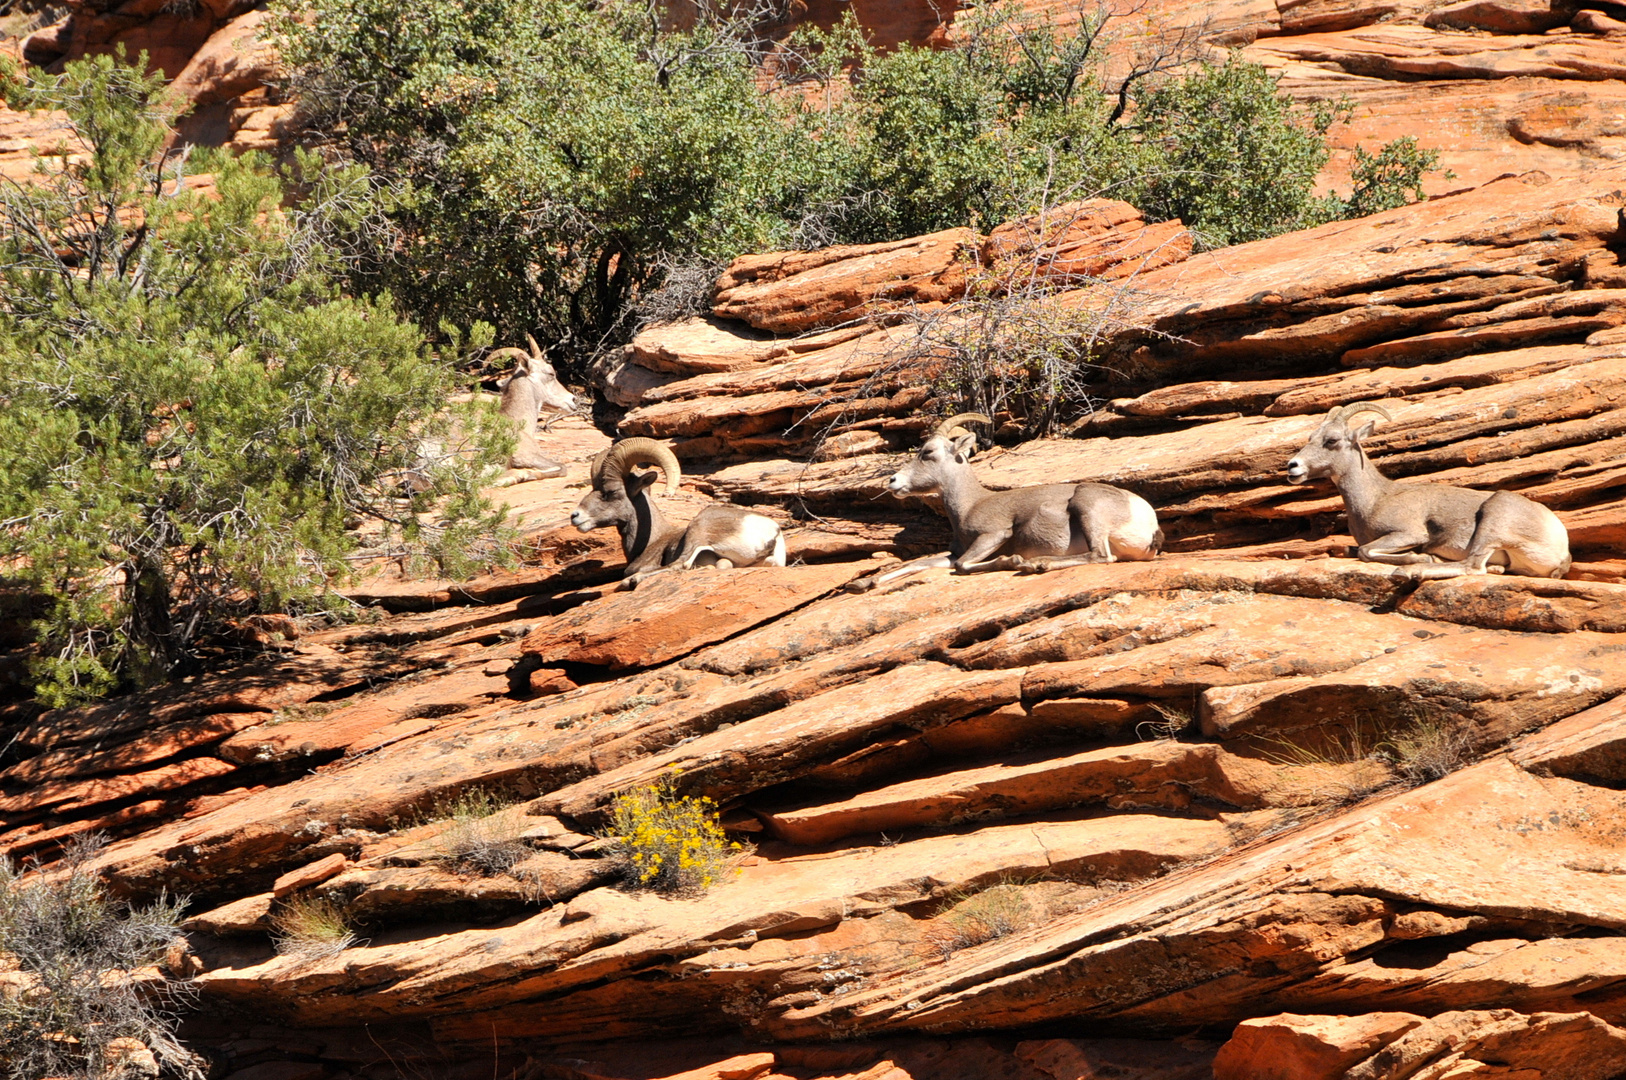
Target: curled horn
(957,422)
(1344,412)
(621,458)
(536,350)
(499,354)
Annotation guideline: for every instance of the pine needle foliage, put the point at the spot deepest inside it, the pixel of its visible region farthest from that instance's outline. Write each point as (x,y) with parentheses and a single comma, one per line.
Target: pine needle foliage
(192,410)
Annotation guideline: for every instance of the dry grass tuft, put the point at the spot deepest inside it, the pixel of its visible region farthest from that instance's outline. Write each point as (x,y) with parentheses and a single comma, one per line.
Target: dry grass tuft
(1428,751)
(80,979)
(475,840)
(976,917)
(311,928)
(1173,721)
(1344,765)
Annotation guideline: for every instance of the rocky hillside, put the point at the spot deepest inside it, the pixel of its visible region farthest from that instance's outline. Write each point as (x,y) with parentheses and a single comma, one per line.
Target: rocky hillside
(1252,810)
(1496,86)
(1250,801)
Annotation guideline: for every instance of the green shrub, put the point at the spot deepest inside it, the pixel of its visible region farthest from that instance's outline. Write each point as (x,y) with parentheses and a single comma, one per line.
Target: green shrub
(74,992)
(669,842)
(542,163)
(1392,177)
(192,410)
(540,158)
(1233,157)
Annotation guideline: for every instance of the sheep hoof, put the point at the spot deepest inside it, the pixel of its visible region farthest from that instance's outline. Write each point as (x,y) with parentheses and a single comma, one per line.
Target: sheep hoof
(1011,562)
(1037,566)
(862,585)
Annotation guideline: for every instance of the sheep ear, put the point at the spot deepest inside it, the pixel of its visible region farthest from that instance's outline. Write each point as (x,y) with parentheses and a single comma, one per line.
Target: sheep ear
(965,445)
(1363,431)
(638,481)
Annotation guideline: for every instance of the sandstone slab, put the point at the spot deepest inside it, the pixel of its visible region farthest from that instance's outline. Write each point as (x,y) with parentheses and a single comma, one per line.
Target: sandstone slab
(306,876)
(789,292)
(1292,1047)
(674,613)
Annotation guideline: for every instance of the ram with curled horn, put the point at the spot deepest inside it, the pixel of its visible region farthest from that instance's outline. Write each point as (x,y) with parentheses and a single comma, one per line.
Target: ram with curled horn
(1435,530)
(1032,529)
(720,536)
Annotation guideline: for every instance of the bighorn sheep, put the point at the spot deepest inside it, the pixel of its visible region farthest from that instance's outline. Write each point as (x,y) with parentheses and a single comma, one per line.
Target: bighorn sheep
(721,536)
(1031,529)
(1456,530)
(532,387)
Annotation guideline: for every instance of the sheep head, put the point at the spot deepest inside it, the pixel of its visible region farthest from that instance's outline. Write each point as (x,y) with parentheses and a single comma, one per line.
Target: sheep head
(533,385)
(948,447)
(1334,448)
(616,483)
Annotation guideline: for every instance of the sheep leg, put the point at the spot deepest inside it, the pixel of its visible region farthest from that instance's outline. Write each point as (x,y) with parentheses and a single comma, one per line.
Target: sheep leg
(977,560)
(524,476)
(914,566)
(632,581)
(1042,566)
(1508,536)
(1396,549)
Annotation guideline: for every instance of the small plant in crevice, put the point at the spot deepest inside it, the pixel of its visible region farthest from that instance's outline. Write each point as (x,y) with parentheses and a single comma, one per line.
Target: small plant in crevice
(311,928)
(979,916)
(1428,750)
(1173,721)
(475,839)
(669,842)
(81,986)
(1352,756)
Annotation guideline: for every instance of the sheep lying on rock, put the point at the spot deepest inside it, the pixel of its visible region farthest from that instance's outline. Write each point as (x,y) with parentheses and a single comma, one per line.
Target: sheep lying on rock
(531,389)
(721,536)
(1032,529)
(1434,530)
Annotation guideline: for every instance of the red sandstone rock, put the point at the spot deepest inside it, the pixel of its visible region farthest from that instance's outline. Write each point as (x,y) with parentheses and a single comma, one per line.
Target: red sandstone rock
(789,292)
(1077,241)
(232,62)
(1499,16)
(76,797)
(306,876)
(1164,774)
(250,914)
(1129,1059)
(739,1067)
(674,613)
(1548,1046)
(1291,1047)
(146,748)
